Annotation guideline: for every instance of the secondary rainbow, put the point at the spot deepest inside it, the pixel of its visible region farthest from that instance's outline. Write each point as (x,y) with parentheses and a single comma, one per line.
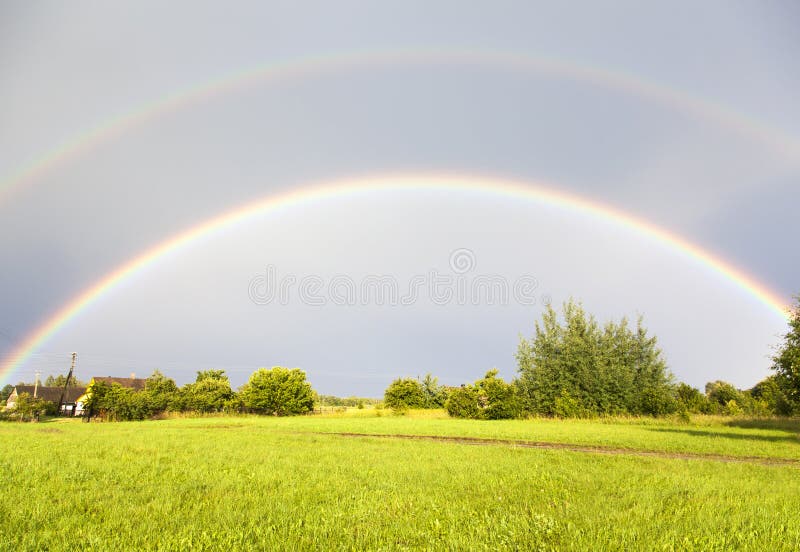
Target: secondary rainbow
(777,140)
(529,191)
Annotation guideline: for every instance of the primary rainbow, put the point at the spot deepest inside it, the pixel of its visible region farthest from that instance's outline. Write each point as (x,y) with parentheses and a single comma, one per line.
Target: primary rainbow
(529,191)
(279,71)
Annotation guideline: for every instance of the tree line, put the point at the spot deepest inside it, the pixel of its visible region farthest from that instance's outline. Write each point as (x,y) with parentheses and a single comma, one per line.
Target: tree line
(573,366)
(276,391)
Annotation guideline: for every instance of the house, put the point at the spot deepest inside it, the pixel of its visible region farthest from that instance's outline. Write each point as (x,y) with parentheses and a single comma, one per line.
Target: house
(50,394)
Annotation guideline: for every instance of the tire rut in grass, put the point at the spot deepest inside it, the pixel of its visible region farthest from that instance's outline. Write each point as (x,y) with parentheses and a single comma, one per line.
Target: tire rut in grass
(591,449)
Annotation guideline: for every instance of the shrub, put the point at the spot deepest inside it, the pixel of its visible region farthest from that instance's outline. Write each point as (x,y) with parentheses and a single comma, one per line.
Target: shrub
(722,392)
(279,391)
(689,398)
(404,393)
(568,406)
(27,408)
(489,398)
(211,392)
(501,398)
(657,401)
(463,403)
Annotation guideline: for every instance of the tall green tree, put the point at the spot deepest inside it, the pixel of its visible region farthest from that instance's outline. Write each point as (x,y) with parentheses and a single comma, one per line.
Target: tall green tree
(578,367)
(278,391)
(786,361)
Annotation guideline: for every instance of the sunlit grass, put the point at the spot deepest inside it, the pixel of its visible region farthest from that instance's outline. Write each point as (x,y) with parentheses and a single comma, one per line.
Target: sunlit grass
(279,484)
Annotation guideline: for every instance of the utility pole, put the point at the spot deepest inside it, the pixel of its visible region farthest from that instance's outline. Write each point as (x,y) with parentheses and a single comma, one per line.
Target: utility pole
(66,384)
(36,384)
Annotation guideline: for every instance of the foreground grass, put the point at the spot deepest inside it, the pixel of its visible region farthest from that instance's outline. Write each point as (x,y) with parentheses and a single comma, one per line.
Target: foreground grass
(266,483)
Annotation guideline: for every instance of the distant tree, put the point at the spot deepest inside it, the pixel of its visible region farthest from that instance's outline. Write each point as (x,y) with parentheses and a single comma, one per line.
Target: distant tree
(689,398)
(211,392)
(786,361)
(332,400)
(279,391)
(722,392)
(160,393)
(5,392)
(435,394)
(771,393)
(60,380)
(405,393)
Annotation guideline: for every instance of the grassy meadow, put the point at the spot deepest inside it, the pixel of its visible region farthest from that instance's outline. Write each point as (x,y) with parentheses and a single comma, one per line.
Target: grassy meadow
(265,483)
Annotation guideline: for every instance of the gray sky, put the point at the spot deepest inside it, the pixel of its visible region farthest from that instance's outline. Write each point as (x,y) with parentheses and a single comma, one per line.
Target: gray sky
(728,184)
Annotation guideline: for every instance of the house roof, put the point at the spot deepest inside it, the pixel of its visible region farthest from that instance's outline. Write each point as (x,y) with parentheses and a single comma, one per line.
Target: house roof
(52,394)
(137,384)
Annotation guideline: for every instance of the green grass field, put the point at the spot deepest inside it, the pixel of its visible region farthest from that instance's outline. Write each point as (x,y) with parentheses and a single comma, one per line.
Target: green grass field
(299,484)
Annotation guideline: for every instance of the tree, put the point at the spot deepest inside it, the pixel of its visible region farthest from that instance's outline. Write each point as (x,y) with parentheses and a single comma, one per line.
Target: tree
(689,398)
(786,361)
(435,394)
(579,367)
(160,393)
(722,392)
(405,393)
(279,391)
(770,392)
(5,392)
(28,408)
(60,380)
(211,392)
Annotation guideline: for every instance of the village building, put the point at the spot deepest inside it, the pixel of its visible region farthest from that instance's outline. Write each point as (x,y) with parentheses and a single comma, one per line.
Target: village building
(70,405)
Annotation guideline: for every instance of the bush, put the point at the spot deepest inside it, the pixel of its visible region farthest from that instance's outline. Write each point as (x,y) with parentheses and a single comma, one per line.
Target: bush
(568,406)
(27,408)
(722,392)
(772,393)
(211,392)
(501,399)
(279,391)
(658,401)
(463,402)
(689,398)
(489,398)
(404,393)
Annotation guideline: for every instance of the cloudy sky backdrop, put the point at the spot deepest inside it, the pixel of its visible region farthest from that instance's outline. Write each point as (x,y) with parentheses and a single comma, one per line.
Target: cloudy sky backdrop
(684,115)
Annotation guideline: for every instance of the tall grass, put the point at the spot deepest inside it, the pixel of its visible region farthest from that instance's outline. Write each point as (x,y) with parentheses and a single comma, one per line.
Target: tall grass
(276,484)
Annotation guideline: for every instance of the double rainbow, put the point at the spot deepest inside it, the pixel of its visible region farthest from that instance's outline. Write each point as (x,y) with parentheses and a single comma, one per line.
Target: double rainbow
(280,71)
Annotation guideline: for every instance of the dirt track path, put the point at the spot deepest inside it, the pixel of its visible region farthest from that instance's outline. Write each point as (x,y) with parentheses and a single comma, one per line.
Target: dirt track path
(593,449)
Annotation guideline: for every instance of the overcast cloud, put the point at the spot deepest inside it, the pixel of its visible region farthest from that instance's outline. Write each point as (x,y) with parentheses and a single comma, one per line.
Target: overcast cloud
(733,190)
